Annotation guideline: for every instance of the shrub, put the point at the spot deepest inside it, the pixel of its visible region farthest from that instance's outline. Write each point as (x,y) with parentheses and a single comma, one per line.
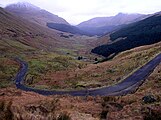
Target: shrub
(64,116)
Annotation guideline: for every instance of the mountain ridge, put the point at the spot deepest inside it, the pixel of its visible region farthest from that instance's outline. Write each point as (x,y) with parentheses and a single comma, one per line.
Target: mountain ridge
(103,25)
(120,18)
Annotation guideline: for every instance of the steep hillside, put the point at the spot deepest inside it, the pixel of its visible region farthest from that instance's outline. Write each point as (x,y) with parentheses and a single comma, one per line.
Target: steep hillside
(34,14)
(18,32)
(144,32)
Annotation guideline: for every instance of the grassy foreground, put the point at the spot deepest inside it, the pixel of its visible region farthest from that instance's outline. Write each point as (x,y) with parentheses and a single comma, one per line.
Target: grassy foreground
(17,104)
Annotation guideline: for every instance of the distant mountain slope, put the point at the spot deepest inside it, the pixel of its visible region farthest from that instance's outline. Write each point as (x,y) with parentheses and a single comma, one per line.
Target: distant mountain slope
(147,31)
(100,31)
(88,31)
(119,19)
(103,25)
(67,28)
(97,26)
(34,14)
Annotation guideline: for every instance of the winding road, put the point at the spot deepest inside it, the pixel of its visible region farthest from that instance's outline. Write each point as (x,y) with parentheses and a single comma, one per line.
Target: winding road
(128,85)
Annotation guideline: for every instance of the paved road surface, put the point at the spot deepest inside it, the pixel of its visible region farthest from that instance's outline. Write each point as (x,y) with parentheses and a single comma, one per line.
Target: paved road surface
(128,85)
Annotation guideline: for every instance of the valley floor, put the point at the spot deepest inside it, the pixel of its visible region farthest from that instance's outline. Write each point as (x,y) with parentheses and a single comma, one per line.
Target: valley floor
(87,75)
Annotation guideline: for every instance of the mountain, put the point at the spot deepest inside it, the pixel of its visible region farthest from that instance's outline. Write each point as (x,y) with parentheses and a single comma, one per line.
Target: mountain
(102,25)
(99,31)
(42,17)
(34,14)
(90,31)
(19,35)
(68,29)
(145,32)
(119,19)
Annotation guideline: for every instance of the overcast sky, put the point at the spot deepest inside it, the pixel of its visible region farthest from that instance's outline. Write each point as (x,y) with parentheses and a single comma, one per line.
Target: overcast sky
(76,11)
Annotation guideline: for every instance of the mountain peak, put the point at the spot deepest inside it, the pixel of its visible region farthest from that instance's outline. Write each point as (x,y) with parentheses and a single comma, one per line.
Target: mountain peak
(120,13)
(123,14)
(23,5)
